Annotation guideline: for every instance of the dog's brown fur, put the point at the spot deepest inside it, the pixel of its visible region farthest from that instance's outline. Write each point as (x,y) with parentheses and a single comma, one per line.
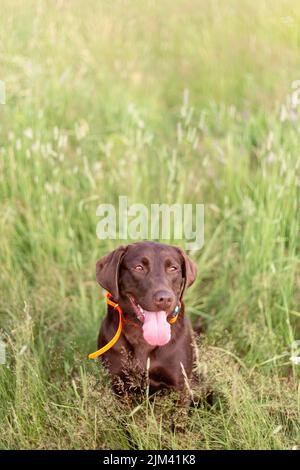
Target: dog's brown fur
(169,365)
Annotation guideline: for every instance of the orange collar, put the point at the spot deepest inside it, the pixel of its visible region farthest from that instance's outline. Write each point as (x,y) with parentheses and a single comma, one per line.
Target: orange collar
(113,341)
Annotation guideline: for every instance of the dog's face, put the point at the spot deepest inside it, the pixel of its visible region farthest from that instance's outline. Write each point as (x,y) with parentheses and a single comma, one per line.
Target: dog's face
(151,276)
(148,280)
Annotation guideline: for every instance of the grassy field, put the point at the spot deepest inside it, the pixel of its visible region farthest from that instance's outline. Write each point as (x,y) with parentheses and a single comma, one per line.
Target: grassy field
(161,101)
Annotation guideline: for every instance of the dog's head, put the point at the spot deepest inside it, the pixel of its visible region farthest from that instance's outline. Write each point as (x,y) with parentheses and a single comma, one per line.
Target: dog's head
(148,280)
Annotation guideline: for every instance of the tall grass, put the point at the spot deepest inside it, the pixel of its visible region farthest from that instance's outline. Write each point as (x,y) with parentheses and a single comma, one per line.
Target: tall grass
(162,102)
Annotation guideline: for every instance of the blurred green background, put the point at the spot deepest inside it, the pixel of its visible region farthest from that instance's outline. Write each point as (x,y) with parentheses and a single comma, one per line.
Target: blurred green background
(161,101)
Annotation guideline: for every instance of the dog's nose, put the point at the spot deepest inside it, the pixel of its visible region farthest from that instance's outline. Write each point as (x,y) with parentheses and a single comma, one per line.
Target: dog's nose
(163,299)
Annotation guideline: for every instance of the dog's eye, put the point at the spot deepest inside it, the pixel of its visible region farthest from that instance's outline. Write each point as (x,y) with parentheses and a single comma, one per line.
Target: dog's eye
(172,269)
(139,268)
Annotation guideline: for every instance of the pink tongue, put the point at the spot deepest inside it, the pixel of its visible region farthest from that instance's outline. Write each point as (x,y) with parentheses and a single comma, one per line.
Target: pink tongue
(156,329)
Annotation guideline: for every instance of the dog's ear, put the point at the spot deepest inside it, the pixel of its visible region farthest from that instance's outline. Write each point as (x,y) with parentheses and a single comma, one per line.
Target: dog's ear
(189,271)
(107,271)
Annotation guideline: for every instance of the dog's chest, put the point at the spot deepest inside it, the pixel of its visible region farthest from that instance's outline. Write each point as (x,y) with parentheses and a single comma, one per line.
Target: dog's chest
(146,355)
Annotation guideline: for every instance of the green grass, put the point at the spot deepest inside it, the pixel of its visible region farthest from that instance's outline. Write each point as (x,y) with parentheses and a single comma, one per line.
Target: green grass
(162,102)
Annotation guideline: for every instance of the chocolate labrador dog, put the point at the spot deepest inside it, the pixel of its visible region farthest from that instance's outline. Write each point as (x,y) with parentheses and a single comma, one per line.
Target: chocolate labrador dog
(148,280)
